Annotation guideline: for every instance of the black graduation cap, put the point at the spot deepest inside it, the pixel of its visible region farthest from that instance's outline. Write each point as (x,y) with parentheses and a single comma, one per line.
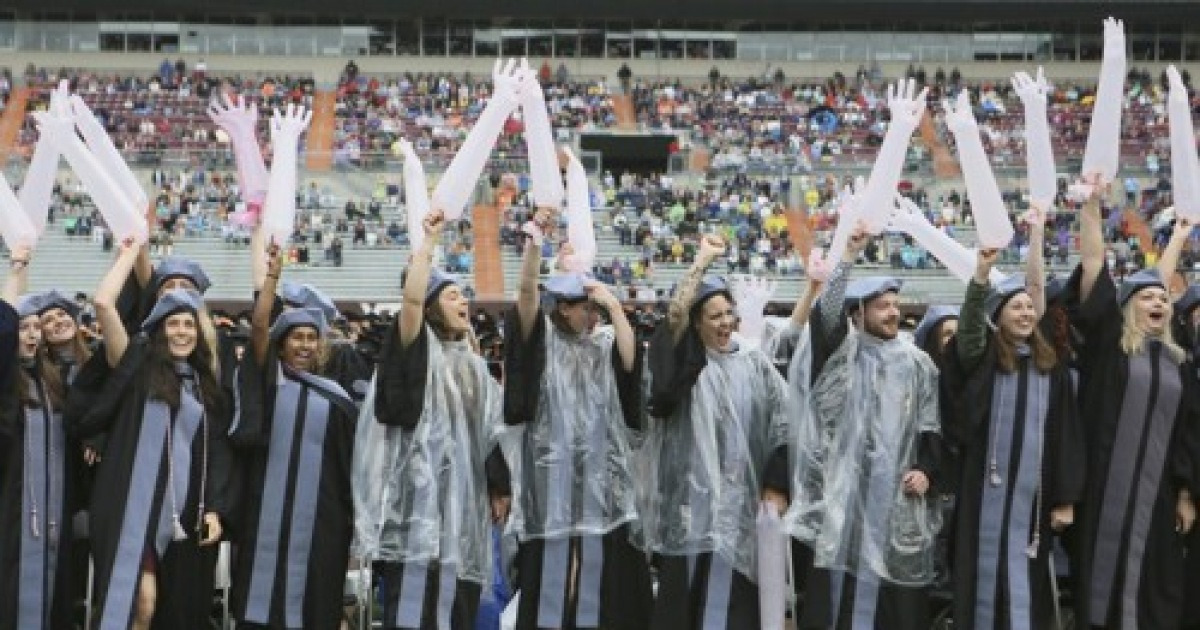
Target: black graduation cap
(1188,301)
(1002,292)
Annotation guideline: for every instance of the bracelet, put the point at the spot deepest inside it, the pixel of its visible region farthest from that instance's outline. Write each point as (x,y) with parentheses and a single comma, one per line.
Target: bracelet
(18,264)
(273,277)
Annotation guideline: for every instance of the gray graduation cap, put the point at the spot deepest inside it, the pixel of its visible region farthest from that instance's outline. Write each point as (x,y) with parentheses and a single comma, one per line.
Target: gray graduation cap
(307,316)
(1001,293)
(1144,279)
(710,286)
(39,303)
(176,267)
(1188,301)
(438,280)
(934,315)
(864,290)
(172,302)
(297,295)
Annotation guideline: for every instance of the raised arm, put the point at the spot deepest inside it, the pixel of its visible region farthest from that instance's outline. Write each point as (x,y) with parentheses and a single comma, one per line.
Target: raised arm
(1091,240)
(1168,262)
(804,305)
(116,340)
(971,340)
(531,265)
(626,341)
(1035,264)
(260,320)
(412,315)
(143,270)
(711,246)
(835,293)
(259,258)
(18,274)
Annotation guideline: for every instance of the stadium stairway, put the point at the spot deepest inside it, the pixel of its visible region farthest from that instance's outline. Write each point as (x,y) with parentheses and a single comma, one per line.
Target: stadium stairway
(319,152)
(625,112)
(944,163)
(13,119)
(489,276)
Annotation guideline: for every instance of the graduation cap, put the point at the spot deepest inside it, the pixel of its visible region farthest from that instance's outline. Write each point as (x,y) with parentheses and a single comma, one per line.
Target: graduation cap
(1188,301)
(306,316)
(864,290)
(438,280)
(934,315)
(297,295)
(1143,279)
(565,287)
(39,303)
(175,267)
(1001,292)
(173,301)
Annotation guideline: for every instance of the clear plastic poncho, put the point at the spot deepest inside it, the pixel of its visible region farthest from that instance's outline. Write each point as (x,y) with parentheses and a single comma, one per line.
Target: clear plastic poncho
(705,462)
(853,442)
(421,495)
(572,467)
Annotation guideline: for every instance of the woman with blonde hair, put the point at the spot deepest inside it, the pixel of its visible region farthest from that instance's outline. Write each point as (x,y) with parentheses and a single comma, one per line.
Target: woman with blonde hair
(1138,399)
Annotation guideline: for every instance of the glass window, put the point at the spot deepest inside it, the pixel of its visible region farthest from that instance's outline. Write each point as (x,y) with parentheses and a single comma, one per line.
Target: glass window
(591,40)
(433,37)
(408,37)
(462,38)
(566,45)
(382,38)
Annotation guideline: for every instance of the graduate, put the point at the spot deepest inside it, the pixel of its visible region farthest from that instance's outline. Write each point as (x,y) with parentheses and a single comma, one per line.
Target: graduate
(866,461)
(577,390)
(1138,401)
(38,470)
(293,431)
(160,498)
(340,360)
(1019,437)
(715,450)
(936,328)
(429,479)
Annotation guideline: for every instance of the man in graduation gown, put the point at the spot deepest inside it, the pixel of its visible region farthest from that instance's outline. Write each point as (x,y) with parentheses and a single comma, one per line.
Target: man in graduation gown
(866,463)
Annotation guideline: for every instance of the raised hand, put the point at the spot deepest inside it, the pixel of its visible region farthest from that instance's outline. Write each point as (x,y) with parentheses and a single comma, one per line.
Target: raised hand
(751,293)
(1035,216)
(275,261)
(711,247)
(906,104)
(985,259)
(960,118)
(818,269)
(598,293)
(434,223)
(1032,92)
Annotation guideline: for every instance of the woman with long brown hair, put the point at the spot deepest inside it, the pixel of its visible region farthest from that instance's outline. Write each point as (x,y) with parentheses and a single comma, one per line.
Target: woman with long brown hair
(160,498)
(1021,450)
(38,469)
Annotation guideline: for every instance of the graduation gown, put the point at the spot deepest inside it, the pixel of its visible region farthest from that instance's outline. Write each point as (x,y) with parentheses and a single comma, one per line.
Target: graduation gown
(834,598)
(1127,559)
(39,471)
(131,503)
(611,587)
(294,435)
(426,461)
(995,583)
(718,439)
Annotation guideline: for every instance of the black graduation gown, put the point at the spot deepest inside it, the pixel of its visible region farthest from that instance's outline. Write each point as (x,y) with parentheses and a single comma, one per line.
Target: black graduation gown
(1104,375)
(626,595)
(297,511)
(113,401)
(399,402)
(897,607)
(1063,473)
(50,549)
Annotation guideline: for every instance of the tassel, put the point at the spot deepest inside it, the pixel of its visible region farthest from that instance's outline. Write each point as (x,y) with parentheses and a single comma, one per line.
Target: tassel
(1032,549)
(180,534)
(33,524)
(52,534)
